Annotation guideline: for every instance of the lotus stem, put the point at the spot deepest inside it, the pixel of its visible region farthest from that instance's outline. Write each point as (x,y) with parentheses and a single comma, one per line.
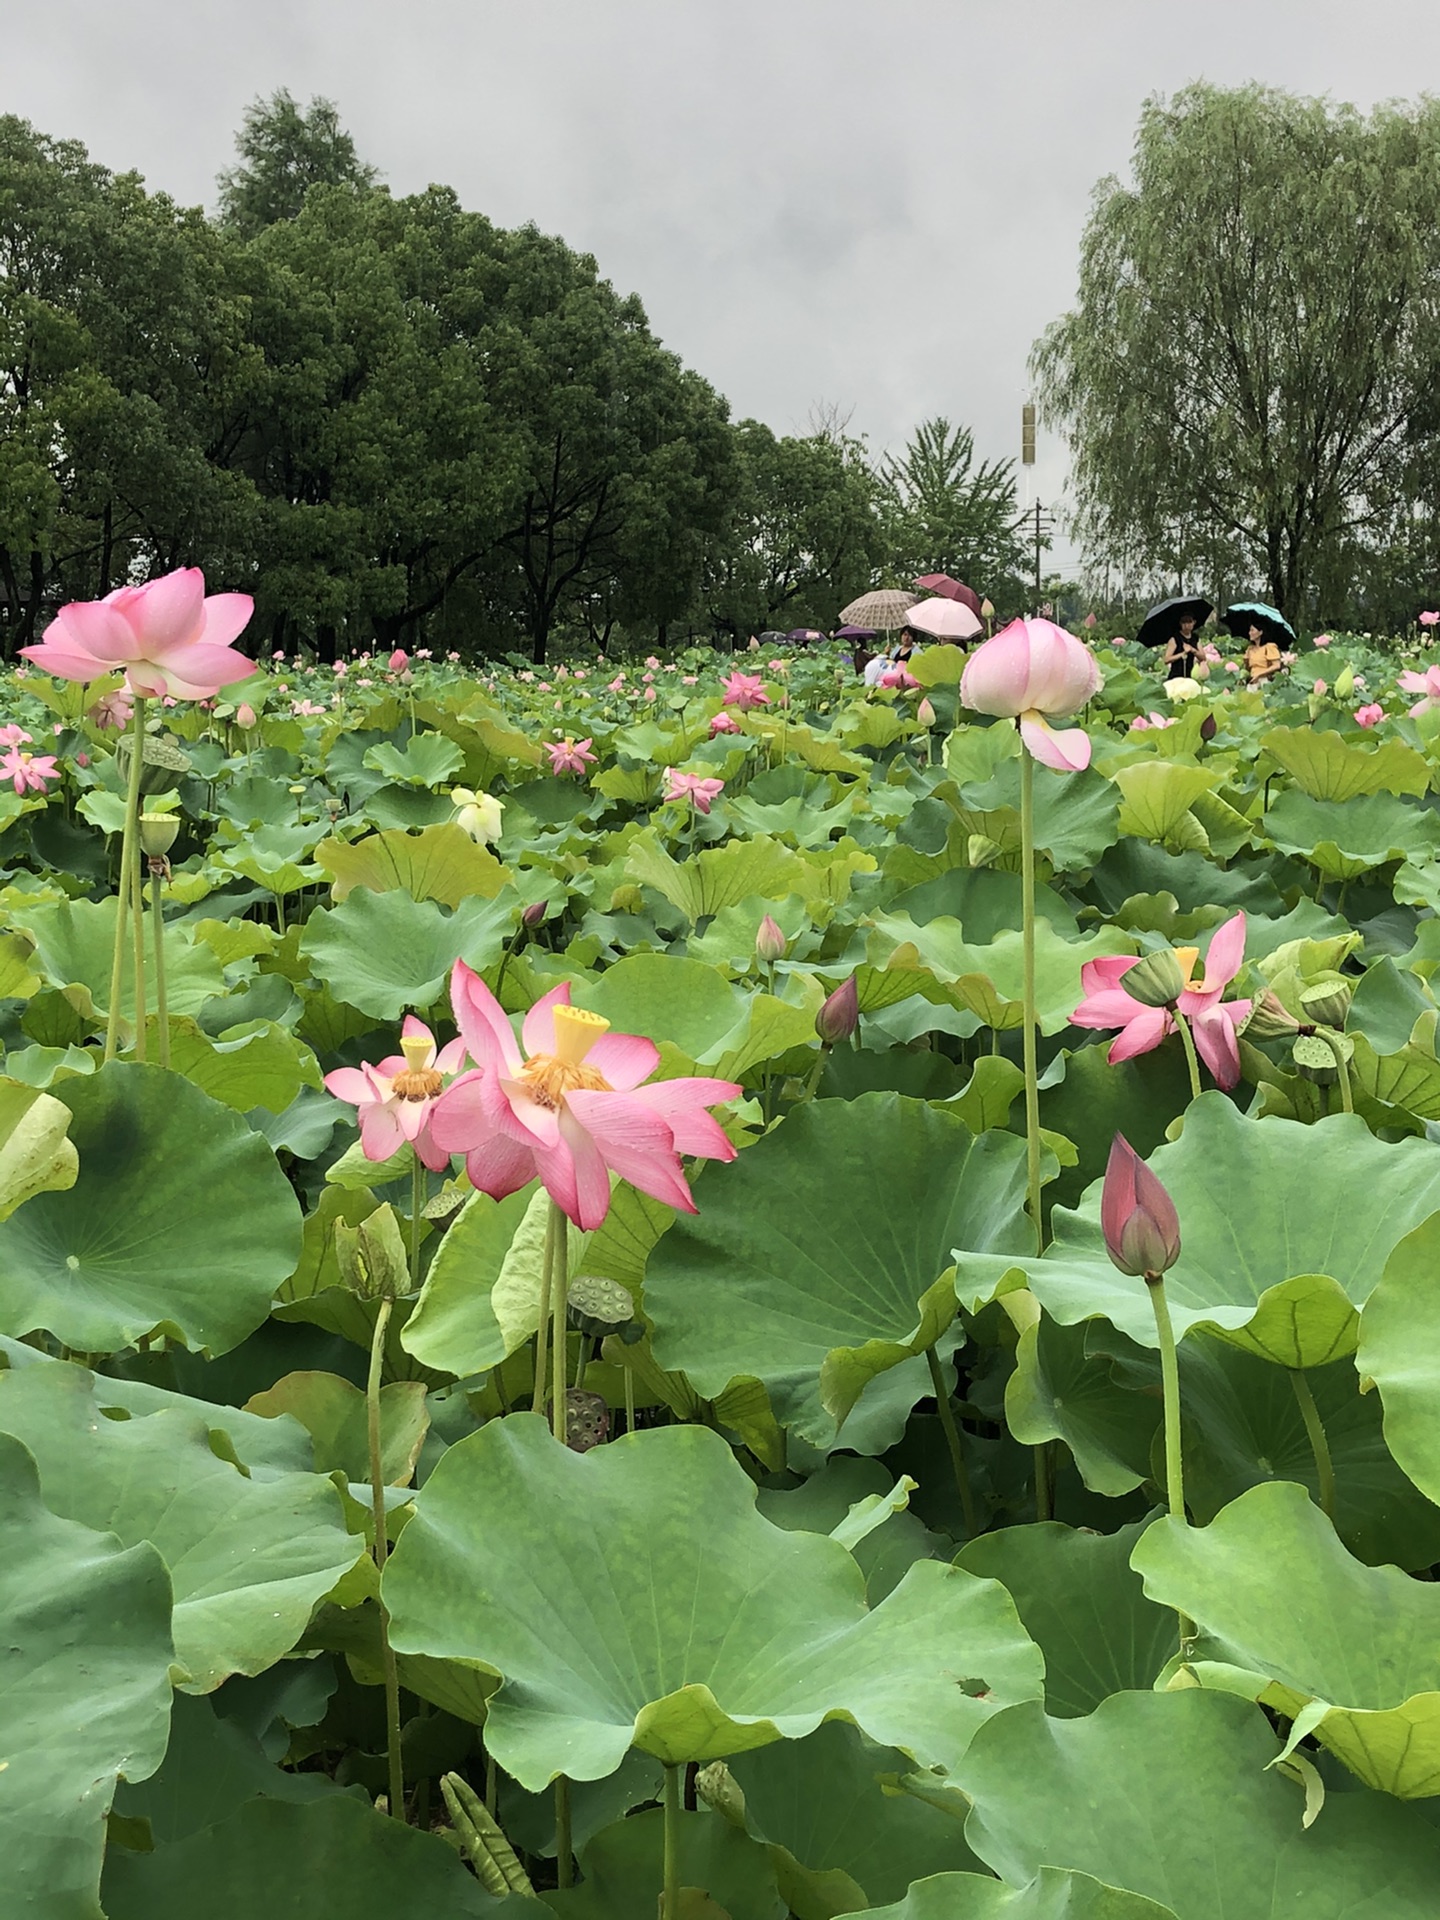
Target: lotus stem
(1337,1053)
(952,1440)
(128,842)
(560,1299)
(417,1209)
(1044,1490)
(1187,1040)
(564,1857)
(1319,1443)
(162,1012)
(670,1906)
(542,1330)
(1032,1067)
(137,926)
(377,1514)
(629,1399)
(1170,1386)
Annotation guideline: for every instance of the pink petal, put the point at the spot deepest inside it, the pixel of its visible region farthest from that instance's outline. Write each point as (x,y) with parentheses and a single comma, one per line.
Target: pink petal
(1226,953)
(451,1056)
(488,1036)
(380,1134)
(197,672)
(499,1167)
(412,1026)
(996,678)
(166,614)
(411,1115)
(459,1122)
(537,1030)
(226,617)
(575,1174)
(67,660)
(349,1083)
(1066,749)
(683,1104)
(1215,1041)
(625,1059)
(1107,971)
(1111,1007)
(96,627)
(522,1116)
(1142,1033)
(431,1156)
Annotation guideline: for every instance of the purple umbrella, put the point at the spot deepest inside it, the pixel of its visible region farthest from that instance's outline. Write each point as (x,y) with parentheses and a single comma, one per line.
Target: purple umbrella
(855,633)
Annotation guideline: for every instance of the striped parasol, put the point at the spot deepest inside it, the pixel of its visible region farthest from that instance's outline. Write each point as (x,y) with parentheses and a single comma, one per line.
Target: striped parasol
(883,609)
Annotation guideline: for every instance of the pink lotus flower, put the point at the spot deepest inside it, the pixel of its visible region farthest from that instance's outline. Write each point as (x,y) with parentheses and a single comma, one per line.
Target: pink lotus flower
(396,1100)
(306,709)
(569,756)
(1089,620)
(1233,666)
(14,736)
(689,786)
(28,770)
(1137,1215)
(399,660)
(1430,619)
(1213,1024)
(112,710)
(617,685)
(1370,716)
(1035,672)
(725,723)
(1320,686)
(168,637)
(571,1109)
(1145,722)
(744,690)
(245,716)
(1322,639)
(897,677)
(1427,683)
(652,663)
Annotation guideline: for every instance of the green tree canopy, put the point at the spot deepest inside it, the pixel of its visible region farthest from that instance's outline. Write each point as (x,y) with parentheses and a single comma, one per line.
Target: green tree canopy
(284,150)
(948,513)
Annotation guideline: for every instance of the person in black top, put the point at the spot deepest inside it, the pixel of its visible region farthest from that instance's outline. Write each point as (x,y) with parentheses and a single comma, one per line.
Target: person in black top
(1182,650)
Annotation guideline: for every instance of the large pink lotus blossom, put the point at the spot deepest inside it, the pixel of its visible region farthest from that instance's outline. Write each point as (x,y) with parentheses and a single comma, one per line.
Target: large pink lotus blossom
(1427,683)
(570,1110)
(690,786)
(1369,716)
(167,637)
(744,690)
(569,756)
(1035,672)
(28,771)
(396,1100)
(1107,1004)
(897,676)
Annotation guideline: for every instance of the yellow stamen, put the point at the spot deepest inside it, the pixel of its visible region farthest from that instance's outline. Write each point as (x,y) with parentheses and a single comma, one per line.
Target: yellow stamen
(1187,956)
(550,1076)
(416,1049)
(418,1083)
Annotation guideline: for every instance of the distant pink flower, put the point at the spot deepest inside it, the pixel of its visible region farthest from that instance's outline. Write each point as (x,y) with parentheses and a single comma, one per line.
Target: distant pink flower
(725,723)
(525,674)
(569,756)
(570,1109)
(1232,666)
(1089,620)
(167,637)
(1034,672)
(1370,716)
(1213,1024)
(1430,619)
(28,770)
(647,677)
(14,736)
(305,709)
(1357,680)
(1322,639)
(399,660)
(652,663)
(579,674)
(689,786)
(1321,686)
(428,653)
(339,667)
(1210,653)
(1143,723)
(1289,659)
(1427,683)
(544,687)
(775,666)
(617,685)
(689,679)
(897,677)
(245,716)
(112,710)
(744,690)
(649,693)
(395,1101)
(1120,640)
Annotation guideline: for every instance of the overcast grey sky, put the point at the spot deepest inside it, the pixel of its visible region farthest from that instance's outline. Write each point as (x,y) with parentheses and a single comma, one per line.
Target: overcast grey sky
(819,201)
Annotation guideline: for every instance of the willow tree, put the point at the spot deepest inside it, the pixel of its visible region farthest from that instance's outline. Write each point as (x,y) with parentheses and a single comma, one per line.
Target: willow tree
(1249,363)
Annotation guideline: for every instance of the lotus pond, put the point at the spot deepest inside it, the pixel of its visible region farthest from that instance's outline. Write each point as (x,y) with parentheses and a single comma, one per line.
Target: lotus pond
(413,1508)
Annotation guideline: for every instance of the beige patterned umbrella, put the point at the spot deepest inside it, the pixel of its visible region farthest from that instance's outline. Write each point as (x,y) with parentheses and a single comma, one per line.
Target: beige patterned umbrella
(884,609)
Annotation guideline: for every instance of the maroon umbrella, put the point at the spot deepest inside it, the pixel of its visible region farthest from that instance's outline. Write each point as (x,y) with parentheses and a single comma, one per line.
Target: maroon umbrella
(949,589)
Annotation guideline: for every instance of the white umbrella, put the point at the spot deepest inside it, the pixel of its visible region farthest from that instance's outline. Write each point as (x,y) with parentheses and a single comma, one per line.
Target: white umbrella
(945,619)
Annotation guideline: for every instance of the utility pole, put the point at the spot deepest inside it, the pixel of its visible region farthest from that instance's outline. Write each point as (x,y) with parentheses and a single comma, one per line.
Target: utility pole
(1036,521)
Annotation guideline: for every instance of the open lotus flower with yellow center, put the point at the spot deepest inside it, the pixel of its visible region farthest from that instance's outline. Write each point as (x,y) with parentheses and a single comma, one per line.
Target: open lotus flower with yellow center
(395,1101)
(1141,998)
(477,814)
(569,1108)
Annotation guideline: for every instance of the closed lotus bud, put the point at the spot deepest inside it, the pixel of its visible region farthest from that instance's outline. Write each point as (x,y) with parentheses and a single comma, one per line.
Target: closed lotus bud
(1268,1019)
(840,1015)
(770,941)
(399,660)
(372,1256)
(1345,683)
(981,850)
(925,714)
(534,914)
(987,609)
(1137,1215)
(1208,727)
(1155,980)
(1328,1004)
(158,833)
(245,715)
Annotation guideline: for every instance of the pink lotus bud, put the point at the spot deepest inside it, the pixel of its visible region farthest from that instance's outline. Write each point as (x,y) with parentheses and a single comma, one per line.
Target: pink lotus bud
(534,914)
(1137,1215)
(925,714)
(399,660)
(770,941)
(245,715)
(840,1015)
(1089,620)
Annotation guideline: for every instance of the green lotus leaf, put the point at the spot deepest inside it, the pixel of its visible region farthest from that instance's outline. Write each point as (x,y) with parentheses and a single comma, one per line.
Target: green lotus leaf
(1076,814)
(840,1833)
(259,1065)
(1400,1352)
(35,1154)
(1051,1895)
(439,863)
(1387,1004)
(666,997)
(1349,1653)
(1082,1605)
(454,1328)
(1060,1391)
(1173,1796)
(164,1173)
(84,1690)
(1158,794)
(624,1871)
(75,942)
(1346,838)
(1275,1254)
(1408,1078)
(819,1259)
(274,1858)
(1094,1100)
(988,980)
(248,1557)
(424,761)
(1329,768)
(386,953)
(836,1496)
(633,1596)
(334,1413)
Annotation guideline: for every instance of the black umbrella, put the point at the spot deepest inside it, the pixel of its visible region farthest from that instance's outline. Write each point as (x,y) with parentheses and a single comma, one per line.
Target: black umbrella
(1162,623)
(1245,614)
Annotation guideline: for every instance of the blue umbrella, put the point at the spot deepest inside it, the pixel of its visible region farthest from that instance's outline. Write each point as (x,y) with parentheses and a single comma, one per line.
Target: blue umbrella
(1244,614)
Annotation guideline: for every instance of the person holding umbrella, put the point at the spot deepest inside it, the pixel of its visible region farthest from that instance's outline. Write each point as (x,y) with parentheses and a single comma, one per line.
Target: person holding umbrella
(1264,632)
(1175,625)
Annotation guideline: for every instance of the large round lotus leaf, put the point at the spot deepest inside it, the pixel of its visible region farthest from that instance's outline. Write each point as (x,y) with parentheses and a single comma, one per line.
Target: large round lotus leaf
(181,1222)
(1276,1252)
(1052,1895)
(633,1596)
(820,1259)
(1169,1794)
(440,863)
(454,1328)
(1347,838)
(386,953)
(988,980)
(1348,1652)
(623,1869)
(84,1691)
(667,997)
(249,1558)
(1083,1607)
(74,946)
(1400,1352)
(276,1860)
(829,1808)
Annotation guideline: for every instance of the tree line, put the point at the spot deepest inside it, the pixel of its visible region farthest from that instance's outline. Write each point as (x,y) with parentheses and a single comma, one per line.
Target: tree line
(395,422)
